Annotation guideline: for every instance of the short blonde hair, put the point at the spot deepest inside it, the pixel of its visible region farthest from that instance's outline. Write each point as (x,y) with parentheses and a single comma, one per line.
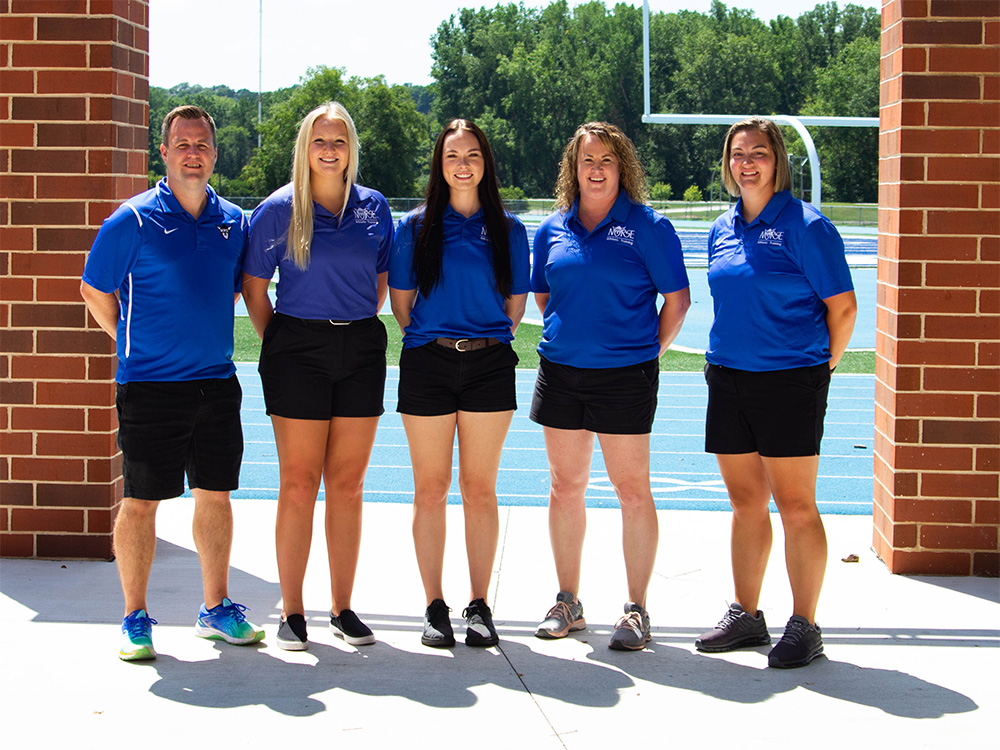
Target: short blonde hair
(782,172)
(300,230)
(632,176)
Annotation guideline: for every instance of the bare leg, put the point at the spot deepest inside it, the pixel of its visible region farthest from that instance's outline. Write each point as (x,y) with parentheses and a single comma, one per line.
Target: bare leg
(626,458)
(301,445)
(569,453)
(793,484)
(750,545)
(480,441)
(135,547)
(348,450)
(213,537)
(431,440)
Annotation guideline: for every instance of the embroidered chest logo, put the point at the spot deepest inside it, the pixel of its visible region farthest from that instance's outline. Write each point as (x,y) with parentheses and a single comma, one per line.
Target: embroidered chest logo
(484,236)
(772,237)
(365,216)
(224,230)
(621,234)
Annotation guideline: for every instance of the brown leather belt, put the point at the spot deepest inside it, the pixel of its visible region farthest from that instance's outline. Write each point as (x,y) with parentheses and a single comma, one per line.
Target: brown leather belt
(466,345)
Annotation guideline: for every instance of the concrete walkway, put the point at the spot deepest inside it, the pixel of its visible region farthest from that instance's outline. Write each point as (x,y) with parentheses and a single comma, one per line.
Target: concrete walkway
(910,662)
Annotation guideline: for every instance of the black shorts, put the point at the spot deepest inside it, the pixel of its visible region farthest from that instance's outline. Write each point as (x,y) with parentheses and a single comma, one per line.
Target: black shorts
(609,400)
(778,414)
(168,429)
(436,380)
(315,369)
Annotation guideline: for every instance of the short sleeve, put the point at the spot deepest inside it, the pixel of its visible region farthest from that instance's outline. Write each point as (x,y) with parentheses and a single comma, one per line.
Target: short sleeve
(824,261)
(268,240)
(664,258)
(401,273)
(115,250)
(385,246)
(540,252)
(520,258)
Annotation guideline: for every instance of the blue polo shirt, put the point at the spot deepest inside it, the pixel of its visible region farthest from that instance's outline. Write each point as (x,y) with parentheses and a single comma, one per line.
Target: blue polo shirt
(465,303)
(346,256)
(603,285)
(175,276)
(768,281)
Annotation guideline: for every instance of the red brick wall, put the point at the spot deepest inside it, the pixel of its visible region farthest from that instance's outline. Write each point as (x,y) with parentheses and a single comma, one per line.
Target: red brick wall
(73,144)
(937,401)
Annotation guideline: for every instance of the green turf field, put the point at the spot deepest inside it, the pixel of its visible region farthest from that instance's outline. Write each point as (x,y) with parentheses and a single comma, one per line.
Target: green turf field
(526,344)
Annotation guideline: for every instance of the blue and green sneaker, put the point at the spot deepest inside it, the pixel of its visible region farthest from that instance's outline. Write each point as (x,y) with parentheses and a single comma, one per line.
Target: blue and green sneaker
(227,623)
(137,637)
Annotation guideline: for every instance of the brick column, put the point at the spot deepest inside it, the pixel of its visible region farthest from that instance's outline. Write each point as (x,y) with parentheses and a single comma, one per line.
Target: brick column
(73,144)
(937,400)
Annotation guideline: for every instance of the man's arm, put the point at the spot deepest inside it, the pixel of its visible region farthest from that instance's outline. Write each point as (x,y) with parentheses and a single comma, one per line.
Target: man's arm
(103,306)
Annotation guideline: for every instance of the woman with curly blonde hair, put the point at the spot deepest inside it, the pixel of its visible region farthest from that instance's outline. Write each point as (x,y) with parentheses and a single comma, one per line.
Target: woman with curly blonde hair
(599,263)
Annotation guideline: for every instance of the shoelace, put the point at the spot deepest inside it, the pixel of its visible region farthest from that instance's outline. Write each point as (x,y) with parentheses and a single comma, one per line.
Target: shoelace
(794,631)
(136,625)
(560,611)
(632,620)
(236,611)
(727,619)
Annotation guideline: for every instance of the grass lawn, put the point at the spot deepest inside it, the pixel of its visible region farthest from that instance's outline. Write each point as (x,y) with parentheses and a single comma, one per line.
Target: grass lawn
(526,344)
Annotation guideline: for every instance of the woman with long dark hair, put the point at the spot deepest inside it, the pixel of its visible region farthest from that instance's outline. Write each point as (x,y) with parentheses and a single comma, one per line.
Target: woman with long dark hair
(458,281)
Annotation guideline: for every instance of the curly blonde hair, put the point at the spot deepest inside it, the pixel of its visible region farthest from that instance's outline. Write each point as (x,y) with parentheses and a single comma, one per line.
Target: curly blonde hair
(632,176)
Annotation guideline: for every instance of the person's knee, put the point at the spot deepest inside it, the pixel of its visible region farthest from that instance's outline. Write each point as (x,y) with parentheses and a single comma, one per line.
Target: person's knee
(431,493)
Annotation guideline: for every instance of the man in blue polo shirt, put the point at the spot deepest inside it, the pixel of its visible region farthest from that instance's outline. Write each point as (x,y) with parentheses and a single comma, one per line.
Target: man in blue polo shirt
(161,279)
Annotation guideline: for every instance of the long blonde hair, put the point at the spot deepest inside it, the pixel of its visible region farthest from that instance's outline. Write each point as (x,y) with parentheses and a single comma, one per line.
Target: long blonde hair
(631,175)
(300,229)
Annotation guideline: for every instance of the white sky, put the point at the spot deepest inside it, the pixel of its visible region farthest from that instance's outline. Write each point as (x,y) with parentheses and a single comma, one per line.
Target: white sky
(211,42)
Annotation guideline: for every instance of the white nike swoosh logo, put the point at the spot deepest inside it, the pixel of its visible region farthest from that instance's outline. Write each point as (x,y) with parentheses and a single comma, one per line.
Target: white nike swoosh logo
(168,231)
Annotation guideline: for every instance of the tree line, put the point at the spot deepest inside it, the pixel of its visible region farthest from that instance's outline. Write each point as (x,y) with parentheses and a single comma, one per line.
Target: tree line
(530,76)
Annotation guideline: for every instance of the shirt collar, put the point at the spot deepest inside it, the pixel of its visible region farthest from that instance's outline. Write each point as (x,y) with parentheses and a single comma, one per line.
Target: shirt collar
(770,213)
(451,213)
(352,200)
(170,204)
(618,213)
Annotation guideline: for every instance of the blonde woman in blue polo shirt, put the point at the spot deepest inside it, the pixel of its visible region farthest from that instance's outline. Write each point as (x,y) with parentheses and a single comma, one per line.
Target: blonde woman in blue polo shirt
(599,264)
(322,361)
(458,282)
(784,312)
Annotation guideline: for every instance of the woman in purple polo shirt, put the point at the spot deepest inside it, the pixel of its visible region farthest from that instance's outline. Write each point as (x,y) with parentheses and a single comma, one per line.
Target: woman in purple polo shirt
(458,281)
(322,362)
(784,312)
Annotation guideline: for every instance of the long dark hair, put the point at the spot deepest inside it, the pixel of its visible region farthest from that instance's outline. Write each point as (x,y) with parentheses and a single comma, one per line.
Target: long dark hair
(428,246)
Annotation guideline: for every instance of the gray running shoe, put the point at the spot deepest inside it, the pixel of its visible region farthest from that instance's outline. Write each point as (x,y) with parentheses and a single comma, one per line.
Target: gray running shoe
(631,630)
(564,617)
(800,644)
(737,629)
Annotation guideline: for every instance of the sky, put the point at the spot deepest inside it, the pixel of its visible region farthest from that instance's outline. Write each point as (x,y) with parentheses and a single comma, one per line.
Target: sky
(377,37)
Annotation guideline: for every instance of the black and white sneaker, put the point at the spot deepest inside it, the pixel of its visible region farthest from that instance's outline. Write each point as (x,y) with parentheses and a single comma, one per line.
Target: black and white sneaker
(800,644)
(346,625)
(437,626)
(479,629)
(292,633)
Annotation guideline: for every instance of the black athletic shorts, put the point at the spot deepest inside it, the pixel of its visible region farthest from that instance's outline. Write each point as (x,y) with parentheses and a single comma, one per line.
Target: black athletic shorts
(318,369)
(609,400)
(776,414)
(167,429)
(436,380)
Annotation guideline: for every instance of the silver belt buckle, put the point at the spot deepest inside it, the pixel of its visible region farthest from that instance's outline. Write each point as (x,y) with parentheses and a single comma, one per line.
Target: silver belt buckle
(458,344)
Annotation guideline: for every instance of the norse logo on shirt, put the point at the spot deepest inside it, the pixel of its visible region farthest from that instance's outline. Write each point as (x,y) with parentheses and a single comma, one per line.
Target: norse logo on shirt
(621,234)
(484,236)
(771,236)
(365,215)
(224,230)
